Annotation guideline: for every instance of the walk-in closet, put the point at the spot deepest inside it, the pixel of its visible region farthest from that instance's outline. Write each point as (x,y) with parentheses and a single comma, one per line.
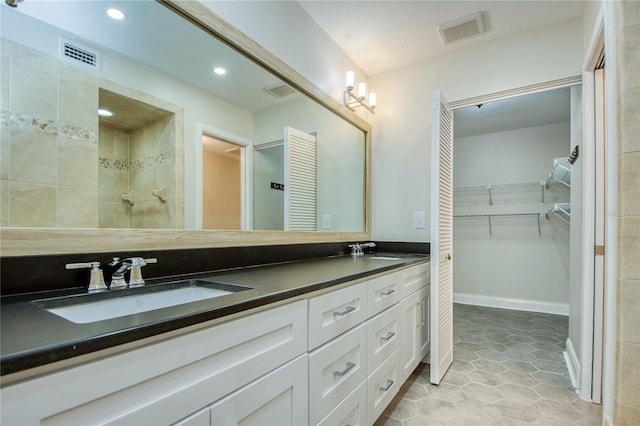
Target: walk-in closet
(513,174)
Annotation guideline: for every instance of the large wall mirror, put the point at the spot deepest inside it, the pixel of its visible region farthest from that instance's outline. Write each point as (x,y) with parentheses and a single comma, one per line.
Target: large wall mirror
(154,128)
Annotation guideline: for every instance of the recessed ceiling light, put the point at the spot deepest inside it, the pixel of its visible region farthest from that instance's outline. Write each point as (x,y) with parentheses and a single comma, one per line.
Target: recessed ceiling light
(116,14)
(219,70)
(105,113)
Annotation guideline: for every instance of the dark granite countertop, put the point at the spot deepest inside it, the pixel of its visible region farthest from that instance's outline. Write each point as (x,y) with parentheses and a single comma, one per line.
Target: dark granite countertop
(33,337)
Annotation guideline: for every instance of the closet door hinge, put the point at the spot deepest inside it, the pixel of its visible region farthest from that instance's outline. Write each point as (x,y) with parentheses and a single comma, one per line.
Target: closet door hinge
(599,250)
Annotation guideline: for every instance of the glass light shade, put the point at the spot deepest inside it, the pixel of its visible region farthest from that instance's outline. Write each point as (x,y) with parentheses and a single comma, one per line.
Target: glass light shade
(362,90)
(372,99)
(351,79)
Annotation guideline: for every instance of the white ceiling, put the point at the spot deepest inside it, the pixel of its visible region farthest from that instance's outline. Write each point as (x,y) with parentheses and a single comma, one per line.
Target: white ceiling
(383,35)
(532,110)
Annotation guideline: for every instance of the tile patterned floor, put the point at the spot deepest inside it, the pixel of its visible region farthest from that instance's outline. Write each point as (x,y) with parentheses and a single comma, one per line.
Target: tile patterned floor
(508,369)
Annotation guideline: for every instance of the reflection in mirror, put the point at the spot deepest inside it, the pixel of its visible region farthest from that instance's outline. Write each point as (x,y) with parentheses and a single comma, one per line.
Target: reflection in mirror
(64,166)
(136,164)
(221,184)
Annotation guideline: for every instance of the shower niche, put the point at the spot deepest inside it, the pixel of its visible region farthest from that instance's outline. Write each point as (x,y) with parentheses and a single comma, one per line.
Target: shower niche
(136,164)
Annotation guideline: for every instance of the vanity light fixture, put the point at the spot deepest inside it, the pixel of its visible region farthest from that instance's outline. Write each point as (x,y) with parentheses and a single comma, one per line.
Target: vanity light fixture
(116,14)
(352,100)
(220,70)
(105,113)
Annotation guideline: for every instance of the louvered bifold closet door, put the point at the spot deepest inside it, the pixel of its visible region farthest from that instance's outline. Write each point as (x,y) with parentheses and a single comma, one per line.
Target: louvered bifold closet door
(301,180)
(441,238)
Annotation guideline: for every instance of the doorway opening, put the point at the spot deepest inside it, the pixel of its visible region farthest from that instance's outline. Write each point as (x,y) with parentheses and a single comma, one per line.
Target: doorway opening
(221,184)
(580,314)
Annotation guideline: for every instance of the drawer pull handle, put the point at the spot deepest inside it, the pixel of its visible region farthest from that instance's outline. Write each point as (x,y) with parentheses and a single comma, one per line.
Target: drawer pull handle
(348,368)
(388,336)
(387,386)
(345,312)
(388,292)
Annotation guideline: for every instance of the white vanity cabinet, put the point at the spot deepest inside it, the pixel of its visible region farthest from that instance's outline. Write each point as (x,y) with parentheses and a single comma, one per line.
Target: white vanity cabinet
(168,381)
(334,358)
(362,350)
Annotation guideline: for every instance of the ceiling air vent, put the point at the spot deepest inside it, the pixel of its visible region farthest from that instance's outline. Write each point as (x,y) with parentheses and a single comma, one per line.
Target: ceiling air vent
(280,90)
(461,28)
(78,54)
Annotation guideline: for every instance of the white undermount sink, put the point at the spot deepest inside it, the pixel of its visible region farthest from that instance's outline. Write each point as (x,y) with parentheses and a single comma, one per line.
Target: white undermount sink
(99,310)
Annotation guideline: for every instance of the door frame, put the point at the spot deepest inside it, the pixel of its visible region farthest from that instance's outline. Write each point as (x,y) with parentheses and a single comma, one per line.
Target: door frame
(585,381)
(246,173)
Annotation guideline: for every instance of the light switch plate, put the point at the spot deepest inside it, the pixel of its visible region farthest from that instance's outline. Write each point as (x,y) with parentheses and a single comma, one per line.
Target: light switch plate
(326,221)
(419,220)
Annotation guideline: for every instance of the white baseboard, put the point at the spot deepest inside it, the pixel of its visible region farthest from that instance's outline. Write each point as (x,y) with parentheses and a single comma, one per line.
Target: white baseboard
(515,304)
(573,364)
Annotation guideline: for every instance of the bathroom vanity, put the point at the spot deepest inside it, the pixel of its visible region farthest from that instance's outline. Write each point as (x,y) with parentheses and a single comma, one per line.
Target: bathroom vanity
(319,341)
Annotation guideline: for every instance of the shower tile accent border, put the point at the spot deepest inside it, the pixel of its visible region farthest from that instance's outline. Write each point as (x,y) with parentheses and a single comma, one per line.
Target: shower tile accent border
(19,120)
(161,159)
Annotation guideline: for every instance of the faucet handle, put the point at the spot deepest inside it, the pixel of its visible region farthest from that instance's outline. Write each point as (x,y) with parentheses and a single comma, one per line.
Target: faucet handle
(135,279)
(356,249)
(96,282)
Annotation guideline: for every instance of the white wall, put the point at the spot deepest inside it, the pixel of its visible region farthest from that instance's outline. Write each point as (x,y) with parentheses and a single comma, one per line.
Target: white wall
(402,123)
(515,267)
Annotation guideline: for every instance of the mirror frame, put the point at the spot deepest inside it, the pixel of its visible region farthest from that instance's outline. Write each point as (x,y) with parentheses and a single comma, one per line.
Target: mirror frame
(42,241)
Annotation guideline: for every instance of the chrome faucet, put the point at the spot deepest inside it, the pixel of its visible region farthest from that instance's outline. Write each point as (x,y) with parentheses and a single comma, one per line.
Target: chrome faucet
(133,264)
(356,248)
(96,282)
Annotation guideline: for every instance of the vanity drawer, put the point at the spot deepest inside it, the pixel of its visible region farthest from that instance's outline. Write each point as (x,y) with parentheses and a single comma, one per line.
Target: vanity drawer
(382,336)
(335,370)
(352,411)
(414,278)
(382,386)
(334,313)
(383,292)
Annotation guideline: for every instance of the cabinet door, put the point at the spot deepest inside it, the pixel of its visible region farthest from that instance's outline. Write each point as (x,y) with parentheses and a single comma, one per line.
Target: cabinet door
(382,386)
(334,313)
(335,370)
(414,278)
(409,336)
(279,399)
(383,336)
(423,324)
(383,292)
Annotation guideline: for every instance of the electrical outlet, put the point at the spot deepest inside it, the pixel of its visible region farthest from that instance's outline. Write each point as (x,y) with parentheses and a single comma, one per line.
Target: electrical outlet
(326,221)
(419,220)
